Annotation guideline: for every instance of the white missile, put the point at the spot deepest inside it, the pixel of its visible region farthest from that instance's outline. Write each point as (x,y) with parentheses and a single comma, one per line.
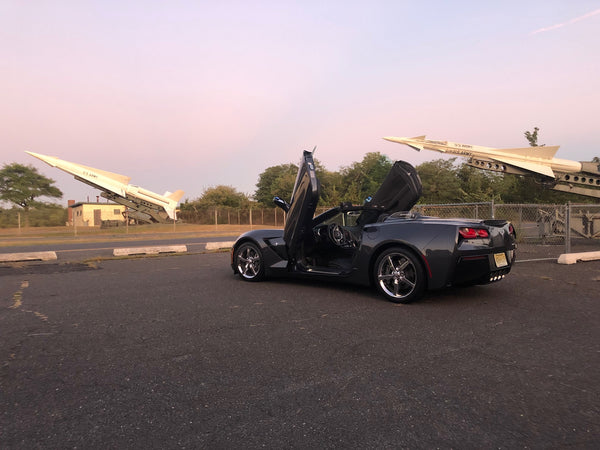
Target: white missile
(521,161)
(151,206)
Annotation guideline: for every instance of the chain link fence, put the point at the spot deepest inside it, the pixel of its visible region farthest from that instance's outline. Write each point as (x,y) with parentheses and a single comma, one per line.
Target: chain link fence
(542,230)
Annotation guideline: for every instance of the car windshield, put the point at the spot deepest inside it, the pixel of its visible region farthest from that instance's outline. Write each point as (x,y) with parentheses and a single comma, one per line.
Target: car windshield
(345,219)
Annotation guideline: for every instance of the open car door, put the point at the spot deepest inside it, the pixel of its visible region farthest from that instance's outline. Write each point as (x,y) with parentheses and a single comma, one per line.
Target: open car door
(400,191)
(298,225)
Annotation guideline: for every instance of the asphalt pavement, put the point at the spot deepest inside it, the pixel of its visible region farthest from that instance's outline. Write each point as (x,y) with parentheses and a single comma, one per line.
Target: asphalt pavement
(176,352)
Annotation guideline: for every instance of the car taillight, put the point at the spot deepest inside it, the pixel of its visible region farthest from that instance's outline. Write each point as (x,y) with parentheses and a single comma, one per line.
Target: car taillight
(473,233)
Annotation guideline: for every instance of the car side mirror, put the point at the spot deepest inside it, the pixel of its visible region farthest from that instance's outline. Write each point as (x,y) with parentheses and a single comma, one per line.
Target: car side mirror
(281,203)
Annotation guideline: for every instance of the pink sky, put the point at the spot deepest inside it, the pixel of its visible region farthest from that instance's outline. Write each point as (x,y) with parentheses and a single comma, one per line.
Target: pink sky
(193,94)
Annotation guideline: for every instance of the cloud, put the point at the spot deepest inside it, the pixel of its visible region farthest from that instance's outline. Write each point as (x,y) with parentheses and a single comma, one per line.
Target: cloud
(570,22)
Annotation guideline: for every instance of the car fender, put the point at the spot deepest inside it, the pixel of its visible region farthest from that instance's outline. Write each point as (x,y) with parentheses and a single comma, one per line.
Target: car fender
(267,241)
(434,245)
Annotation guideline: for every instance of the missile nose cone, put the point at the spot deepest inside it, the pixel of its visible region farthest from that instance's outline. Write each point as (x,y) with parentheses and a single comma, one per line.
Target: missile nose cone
(415,142)
(37,155)
(47,159)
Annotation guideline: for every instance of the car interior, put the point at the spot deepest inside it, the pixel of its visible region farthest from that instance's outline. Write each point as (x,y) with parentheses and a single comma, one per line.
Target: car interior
(329,242)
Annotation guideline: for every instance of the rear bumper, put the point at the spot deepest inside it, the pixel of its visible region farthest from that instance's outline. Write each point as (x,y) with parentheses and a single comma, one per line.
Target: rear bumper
(483,268)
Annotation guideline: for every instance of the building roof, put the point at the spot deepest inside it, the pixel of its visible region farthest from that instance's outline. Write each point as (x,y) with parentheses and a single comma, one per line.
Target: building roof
(95,203)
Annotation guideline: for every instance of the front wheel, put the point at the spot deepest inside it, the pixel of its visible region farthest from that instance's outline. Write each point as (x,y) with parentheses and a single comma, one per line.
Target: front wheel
(249,262)
(399,275)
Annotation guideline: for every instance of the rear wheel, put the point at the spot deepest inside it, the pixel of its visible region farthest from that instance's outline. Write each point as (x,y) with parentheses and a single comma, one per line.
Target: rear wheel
(249,262)
(399,275)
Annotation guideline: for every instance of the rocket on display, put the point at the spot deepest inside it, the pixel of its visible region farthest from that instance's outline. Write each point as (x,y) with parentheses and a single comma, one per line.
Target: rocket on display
(147,206)
(560,174)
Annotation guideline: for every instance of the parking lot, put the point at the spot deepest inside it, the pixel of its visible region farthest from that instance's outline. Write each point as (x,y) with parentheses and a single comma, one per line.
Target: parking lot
(176,352)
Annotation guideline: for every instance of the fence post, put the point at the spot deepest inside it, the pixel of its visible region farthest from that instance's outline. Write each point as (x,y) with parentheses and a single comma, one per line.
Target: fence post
(216,220)
(493,210)
(521,215)
(568,227)
(275,210)
(250,218)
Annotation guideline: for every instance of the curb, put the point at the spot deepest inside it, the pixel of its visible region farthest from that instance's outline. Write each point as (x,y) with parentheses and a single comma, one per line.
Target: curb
(127,251)
(572,258)
(149,250)
(219,245)
(29,256)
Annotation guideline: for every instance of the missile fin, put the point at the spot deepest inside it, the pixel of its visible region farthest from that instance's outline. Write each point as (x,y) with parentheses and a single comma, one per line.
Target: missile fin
(175,196)
(535,152)
(530,167)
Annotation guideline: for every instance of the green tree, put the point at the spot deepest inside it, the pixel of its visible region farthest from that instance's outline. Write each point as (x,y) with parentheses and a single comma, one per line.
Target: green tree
(332,186)
(532,137)
(440,180)
(276,181)
(23,185)
(222,196)
(362,179)
(479,185)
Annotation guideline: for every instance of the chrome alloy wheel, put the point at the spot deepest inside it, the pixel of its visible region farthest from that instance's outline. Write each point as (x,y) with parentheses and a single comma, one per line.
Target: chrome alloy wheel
(399,276)
(249,262)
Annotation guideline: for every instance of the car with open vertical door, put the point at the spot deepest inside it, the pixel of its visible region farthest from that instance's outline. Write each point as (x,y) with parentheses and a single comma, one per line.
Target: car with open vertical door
(380,243)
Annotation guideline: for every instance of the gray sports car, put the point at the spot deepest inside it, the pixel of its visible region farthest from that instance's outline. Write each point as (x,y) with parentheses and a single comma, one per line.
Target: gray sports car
(378,243)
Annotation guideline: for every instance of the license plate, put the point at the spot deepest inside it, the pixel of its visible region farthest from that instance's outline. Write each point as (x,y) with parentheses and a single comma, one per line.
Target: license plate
(500,259)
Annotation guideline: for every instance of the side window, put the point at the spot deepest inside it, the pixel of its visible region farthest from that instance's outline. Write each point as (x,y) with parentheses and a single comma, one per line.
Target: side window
(351,218)
(347,219)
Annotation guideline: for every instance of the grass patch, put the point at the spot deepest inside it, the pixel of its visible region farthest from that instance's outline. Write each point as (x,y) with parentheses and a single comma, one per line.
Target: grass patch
(12,237)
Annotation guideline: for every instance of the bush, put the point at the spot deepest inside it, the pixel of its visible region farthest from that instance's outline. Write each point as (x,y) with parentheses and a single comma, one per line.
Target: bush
(47,215)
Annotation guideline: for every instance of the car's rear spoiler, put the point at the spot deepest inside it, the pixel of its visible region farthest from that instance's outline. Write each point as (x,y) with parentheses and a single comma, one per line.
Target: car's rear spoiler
(495,222)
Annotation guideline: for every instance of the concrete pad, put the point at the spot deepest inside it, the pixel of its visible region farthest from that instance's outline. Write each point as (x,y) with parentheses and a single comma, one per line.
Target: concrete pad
(149,250)
(219,245)
(28,256)
(572,258)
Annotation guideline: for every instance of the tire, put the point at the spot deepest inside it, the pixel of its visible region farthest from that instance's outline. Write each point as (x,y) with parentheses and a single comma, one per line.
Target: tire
(399,275)
(249,262)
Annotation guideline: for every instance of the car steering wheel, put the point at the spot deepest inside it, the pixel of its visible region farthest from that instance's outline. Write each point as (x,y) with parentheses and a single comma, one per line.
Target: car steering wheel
(336,234)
